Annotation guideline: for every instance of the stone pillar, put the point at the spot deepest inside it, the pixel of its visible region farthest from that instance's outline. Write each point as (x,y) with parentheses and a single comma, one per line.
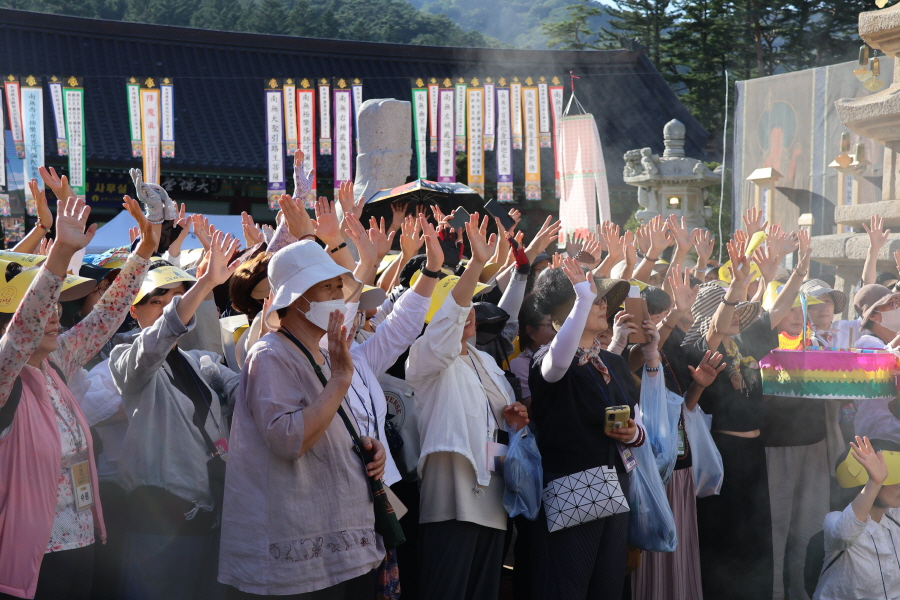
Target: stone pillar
(891,174)
(385,150)
(845,279)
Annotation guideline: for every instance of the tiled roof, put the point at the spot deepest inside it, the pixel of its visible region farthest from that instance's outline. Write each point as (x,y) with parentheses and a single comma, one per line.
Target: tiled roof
(219,80)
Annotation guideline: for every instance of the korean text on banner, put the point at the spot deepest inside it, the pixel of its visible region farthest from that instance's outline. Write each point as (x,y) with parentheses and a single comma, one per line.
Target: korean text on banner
(460,105)
(14,104)
(420,126)
(489,114)
(504,145)
(532,144)
(446,153)
(515,113)
(133,89)
(290,116)
(33,130)
(150,124)
(433,110)
(167,115)
(556,109)
(274,143)
(324,117)
(343,134)
(73,95)
(306,122)
(356,86)
(544,109)
(476,142)
(59,116)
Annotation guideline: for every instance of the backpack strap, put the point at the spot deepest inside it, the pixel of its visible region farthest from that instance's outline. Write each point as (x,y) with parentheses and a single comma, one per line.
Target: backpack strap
(8,410)
(833,560)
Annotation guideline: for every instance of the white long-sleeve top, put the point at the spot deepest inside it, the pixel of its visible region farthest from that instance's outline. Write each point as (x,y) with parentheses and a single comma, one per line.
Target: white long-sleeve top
(870,565)
(450,398)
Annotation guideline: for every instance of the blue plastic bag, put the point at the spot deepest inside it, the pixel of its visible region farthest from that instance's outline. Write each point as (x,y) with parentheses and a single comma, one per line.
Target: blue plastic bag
(523,475)
(709,472)
(652,524)
(660,411)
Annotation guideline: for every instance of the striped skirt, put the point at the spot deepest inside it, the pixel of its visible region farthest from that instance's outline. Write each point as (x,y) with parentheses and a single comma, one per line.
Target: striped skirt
(674,575)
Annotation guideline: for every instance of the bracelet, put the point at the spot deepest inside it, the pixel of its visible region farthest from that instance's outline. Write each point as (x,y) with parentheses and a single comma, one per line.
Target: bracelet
(432,274)
(652,259)
(41,225)
(801,274)
(727,303)
(652,369)
(336,248)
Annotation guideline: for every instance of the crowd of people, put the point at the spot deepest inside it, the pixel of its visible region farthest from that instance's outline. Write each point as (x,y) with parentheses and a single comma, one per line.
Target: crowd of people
(307,413)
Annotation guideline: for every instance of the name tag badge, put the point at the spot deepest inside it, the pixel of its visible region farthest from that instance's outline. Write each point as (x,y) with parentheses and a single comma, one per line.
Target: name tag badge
(221,445)
(628,457)
(680,441)
(81,481)
(496,454)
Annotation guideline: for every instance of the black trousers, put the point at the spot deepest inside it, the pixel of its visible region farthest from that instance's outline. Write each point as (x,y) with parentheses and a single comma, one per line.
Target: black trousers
(408,553)
(735,527)
(108,557)
(459,561)
(65,575)
(359,588)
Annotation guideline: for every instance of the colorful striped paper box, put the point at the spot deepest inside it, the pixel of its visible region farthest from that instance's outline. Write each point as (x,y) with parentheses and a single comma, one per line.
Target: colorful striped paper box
(829,374)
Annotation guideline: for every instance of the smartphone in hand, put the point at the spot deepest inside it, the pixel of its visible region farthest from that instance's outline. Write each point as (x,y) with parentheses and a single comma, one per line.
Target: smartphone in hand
(496,210)
(459,219)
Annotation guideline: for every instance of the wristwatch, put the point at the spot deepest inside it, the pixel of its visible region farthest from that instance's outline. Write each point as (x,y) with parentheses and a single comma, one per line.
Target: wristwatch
(432,274)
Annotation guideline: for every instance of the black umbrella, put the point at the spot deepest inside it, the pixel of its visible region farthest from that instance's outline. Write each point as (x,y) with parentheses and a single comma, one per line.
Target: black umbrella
(423,192)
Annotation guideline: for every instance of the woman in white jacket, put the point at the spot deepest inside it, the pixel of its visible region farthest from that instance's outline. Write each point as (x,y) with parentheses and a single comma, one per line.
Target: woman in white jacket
(463,400)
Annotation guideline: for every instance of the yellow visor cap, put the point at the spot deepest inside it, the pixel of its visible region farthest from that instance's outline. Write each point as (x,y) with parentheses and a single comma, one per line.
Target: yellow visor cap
(850,473)
(725,274)
(26,260)
(162,277)
(442,290)
(772,295)
(13,290)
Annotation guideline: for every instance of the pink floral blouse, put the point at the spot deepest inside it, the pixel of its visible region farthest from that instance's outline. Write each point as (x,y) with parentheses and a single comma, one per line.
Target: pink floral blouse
(71,528)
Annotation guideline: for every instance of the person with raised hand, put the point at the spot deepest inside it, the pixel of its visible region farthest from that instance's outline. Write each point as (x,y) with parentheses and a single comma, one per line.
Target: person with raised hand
(32,242)
(291,448)
(172,458)
(464,401)
(51,509)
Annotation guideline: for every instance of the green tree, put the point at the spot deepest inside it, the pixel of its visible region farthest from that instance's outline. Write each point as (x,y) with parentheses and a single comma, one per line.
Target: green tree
(650,22)
(162,12)
(223,15)
(575,33)
(269,16)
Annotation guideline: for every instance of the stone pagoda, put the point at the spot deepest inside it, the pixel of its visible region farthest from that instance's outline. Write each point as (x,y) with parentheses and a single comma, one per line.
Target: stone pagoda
(671,184)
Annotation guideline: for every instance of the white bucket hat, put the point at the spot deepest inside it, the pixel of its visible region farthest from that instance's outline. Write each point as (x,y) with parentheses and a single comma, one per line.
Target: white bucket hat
(296,268)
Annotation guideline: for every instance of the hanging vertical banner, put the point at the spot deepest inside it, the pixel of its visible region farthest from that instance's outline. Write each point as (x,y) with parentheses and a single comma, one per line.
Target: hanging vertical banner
(460,103)
(356,86)
(556,108)
(133,89)
(167,116)
(306,134)
(475,115)
(532,142)
(73,100)
(343,134)
(324,117)
(2,148)
(274,142)
(433,93)
(420,126)
(59,116)
(33,131)
(504,144)
(289,96)
(13,103)
(544,111)
(150,124)
(515,113)
(489,119)
(446,154)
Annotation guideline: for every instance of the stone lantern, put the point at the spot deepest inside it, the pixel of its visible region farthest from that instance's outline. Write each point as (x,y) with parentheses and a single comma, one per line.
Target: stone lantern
(671,184)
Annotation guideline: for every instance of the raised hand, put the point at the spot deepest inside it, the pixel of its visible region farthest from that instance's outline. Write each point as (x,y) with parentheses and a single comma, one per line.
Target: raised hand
(642,238)
(72,232)
(58,185)
(516,216)
(252,232)
(709,368)
(149,234)
(133,234)
(382,239)
(629,248)
(481,246)
(878,235)
(872,461)
(682,293)
(548,232)
(327,224)
(45,217)
(704,242)
(348,204)
(398,214)
(44,247)
(805,251)
(740,264)
(410,239)
(434,254)
(659,241)
(590,254)
(767,261)
(368,254)
(298,222)
(680,231)
(339,347)
(181,220)
(752,219)
(302,181)
(200,225)
(222,247)
(576,273)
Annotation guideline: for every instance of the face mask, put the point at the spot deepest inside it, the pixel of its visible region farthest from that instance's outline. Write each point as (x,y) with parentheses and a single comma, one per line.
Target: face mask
(319,312)
(891,320)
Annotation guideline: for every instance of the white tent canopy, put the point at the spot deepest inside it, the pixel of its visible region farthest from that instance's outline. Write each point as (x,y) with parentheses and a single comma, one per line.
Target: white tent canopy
(115,232)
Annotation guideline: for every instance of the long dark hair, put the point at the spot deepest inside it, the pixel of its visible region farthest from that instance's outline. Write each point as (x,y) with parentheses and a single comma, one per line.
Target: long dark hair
(529,316)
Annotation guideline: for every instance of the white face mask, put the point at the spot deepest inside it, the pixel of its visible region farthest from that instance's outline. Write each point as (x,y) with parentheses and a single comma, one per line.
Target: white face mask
(891,320)
(319,312)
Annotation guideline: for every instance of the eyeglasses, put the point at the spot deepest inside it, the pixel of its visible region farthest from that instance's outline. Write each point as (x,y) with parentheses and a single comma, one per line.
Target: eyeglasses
(59,310)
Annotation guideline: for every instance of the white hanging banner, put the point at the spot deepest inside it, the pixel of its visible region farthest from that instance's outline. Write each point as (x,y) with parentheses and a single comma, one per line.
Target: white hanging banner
(150,124)
(13,103)
(306,121)
(544,109)
(446,154)
(504,145)
(33,131)
(556,105)
(343,134)
(460,104)
(475,149)
(324,117)
(515,99)
(289,96)
(489,112)
(167,116)
(356,86)
(532,144)
(275,142)
(420,126)
(133,89)
(73,96)
(59,115)
(433,93)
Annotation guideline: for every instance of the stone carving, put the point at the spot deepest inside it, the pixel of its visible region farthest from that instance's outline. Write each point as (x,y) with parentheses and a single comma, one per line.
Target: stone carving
(648,161)
(632,163)
(385,153)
